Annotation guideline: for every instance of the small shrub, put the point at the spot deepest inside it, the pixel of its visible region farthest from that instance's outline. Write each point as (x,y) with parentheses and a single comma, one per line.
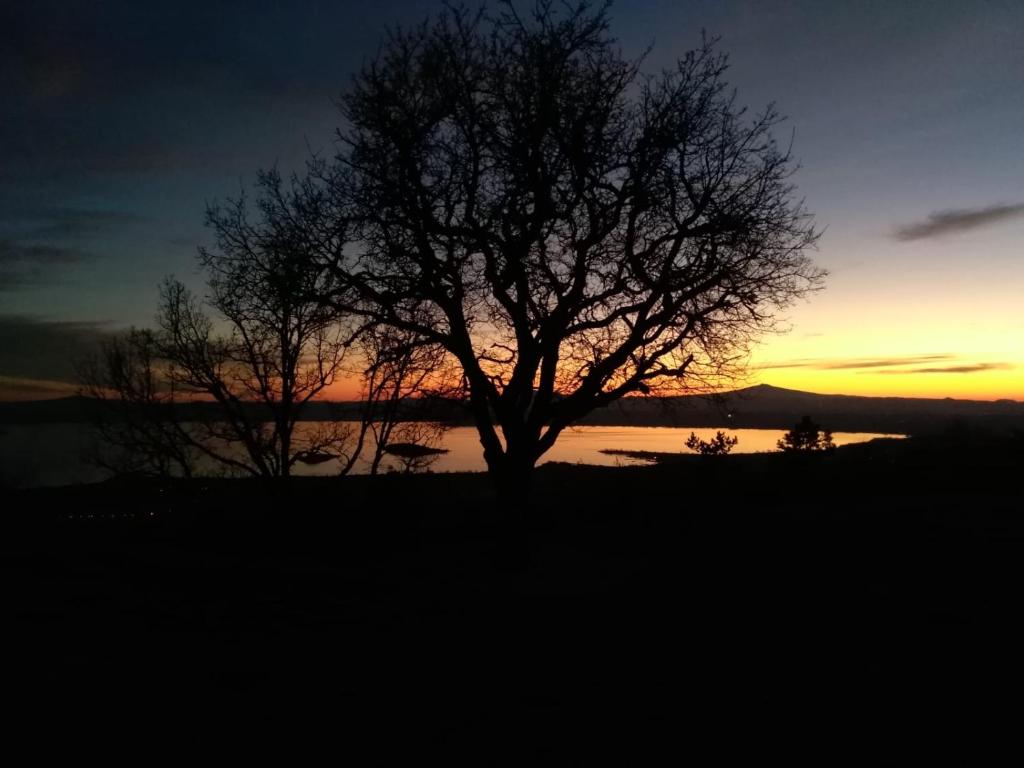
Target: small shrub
(719,445)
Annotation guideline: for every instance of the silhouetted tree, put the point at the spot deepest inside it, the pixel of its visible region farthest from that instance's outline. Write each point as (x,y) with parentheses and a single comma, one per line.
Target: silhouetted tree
(568,229)
(719,445)
(257,351)
(280,347)
(806,437)
(136,430)
(260,377)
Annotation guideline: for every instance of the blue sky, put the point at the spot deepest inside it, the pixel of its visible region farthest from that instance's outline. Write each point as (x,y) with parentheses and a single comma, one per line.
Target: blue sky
(122,119)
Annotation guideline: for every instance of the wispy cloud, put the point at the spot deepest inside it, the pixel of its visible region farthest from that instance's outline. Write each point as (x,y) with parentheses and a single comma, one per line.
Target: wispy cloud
(23,264)
(36,241)
(974,368)
(938,363)
(49,222)
(951,222)
(33,389)
(851,364)
(76,222)
(889,362)
(15,253)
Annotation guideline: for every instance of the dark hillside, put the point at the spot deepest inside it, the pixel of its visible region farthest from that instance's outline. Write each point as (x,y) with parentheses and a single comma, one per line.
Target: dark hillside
(692,599)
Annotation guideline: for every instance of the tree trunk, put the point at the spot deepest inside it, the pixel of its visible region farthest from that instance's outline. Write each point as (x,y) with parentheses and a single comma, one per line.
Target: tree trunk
(512,475)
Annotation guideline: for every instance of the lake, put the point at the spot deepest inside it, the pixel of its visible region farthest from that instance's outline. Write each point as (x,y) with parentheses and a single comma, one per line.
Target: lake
(55,454)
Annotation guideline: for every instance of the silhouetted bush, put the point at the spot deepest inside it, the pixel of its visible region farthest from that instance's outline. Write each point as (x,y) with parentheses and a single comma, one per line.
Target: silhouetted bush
(806,437)
(719,445)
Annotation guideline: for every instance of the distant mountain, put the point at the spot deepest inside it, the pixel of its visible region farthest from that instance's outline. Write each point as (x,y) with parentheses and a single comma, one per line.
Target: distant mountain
(773,407)
(760,406)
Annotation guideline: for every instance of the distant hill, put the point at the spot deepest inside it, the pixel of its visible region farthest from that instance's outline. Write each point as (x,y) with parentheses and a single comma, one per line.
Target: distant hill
(760,406)
(776,408)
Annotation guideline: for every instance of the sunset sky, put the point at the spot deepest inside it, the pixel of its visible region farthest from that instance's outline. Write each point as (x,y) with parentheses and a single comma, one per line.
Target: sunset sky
(121,119)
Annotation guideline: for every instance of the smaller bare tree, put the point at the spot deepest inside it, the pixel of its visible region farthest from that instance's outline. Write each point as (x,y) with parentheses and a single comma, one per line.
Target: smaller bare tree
(227,379)
(281,346)
(136,429)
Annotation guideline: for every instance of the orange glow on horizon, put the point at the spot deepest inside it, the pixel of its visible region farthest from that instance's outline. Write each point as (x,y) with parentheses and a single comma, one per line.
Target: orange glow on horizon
(342,390)
(902,352)
(1006,383)
(1003,386)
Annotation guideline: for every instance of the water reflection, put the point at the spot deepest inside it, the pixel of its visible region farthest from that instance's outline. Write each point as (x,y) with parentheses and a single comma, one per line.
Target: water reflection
(583,445)
(55,454)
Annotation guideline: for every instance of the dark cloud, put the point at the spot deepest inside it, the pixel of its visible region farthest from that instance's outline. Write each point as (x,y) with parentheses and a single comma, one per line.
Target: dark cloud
(24,264)
(32,389)
(51,223)
(84,49)
(951,222)
(13,253)
(61,53)
(86,156)
(122,87)
(46,350)
(35,242)
(975,368)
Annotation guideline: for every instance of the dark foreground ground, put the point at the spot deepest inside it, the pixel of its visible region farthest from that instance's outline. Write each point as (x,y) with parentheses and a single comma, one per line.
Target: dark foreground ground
(757,606)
